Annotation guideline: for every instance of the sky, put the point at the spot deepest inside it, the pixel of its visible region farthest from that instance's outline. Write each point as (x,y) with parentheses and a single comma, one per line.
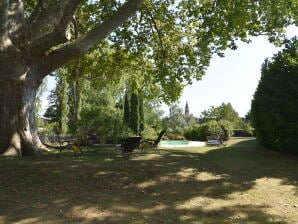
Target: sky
(231,79)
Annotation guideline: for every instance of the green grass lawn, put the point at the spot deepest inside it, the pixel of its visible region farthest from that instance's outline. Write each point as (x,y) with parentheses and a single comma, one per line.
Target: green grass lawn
(239,183)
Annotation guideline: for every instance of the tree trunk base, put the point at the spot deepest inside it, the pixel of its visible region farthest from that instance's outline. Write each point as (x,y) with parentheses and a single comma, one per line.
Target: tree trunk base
(18,135)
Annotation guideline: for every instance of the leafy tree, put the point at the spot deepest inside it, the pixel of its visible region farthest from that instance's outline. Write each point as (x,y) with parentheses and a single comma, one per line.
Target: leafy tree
(152,114)
(208,114)
(103,121)
(175,38)
(226,112)
(223,112)
(175,119)
(100,113)
(274,108)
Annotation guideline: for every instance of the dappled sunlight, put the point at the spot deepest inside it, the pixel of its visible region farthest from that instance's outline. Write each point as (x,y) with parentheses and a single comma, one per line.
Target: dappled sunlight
(109,159)
(186,172)
(101,173)
(232,184)
(199,202)
(28,221)
(60,203)
(91,213)
(206,176)
(146,184)
(148,156)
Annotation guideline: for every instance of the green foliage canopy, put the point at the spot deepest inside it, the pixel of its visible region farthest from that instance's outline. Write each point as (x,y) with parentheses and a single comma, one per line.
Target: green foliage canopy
(167,44)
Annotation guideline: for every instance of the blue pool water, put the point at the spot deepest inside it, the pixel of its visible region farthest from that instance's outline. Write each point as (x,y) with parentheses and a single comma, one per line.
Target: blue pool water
(174,142)
(181,143)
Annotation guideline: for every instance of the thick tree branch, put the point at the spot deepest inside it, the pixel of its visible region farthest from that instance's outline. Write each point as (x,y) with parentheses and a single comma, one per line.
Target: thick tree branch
(3,17)
(78,47)
(40,6)
(50,16)
(18,31)
(58,36)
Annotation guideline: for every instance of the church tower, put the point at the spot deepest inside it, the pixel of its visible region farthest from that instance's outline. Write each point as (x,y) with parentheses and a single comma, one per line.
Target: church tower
(186,111)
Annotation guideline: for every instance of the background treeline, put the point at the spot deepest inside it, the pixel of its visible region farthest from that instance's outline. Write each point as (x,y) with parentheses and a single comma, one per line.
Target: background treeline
(114,112)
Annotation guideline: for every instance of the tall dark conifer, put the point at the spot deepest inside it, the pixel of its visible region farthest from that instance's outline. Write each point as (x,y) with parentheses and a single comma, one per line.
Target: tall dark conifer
(126,112)
(63,112)
(141,114)
(134,113)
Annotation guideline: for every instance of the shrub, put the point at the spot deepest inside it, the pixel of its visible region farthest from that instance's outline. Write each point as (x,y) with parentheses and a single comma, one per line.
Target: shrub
(192,133)
(150,133)
(275,105)
(243,132)
(227,128)
(212,127)
(171,136)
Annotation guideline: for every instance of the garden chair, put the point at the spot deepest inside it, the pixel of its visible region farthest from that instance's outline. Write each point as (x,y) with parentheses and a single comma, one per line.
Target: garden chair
(70,145)
(151,143)
(67,142)
(129,145)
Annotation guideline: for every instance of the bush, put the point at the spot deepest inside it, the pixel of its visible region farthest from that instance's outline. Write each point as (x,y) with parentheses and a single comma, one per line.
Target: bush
(171,136)
(275,105)
(227,128)
(208,128)
(212,127)
(192,133)
(150,133)
(243,133)
(104,122)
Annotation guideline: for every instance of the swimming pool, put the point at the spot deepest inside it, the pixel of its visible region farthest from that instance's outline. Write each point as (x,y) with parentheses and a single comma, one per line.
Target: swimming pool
(180,143)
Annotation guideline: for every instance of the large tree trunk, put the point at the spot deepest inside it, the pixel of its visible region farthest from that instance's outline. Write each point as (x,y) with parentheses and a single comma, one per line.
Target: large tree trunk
(17,119)
(32,48)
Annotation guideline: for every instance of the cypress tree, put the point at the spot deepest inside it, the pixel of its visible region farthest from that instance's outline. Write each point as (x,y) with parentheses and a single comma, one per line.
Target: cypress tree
(274,109)
(134,114)
(126,112)
(141,114)
(63,108)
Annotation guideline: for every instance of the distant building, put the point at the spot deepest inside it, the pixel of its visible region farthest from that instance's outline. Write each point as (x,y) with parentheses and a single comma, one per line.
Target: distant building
(186,111)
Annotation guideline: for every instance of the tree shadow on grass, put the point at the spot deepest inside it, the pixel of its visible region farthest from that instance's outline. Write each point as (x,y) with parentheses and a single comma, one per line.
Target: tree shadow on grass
(202,185)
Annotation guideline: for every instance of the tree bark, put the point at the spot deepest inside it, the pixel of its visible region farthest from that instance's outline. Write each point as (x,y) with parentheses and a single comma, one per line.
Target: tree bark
(17,119)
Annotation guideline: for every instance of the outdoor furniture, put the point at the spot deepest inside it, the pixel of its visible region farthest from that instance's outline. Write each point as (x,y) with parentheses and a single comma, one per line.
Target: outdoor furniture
(94,142)
(216,140)
(130,144)
(69,144)
(152,143)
